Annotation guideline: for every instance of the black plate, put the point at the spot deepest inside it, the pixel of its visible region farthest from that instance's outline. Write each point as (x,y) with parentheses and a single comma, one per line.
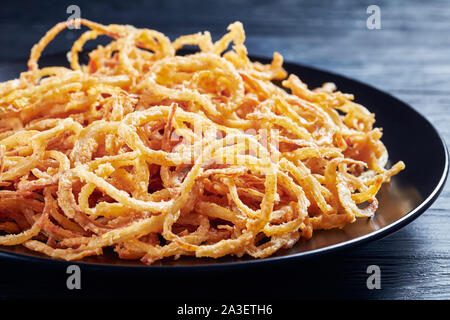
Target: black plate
(408,137)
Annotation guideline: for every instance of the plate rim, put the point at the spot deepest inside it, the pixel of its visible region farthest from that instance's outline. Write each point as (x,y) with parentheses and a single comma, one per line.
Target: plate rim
(372,236)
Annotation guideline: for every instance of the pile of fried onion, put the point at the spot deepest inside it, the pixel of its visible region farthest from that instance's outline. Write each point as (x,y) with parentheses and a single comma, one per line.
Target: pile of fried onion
(159,155)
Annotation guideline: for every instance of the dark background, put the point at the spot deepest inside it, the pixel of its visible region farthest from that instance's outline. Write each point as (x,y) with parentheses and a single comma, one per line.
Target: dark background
(409,58)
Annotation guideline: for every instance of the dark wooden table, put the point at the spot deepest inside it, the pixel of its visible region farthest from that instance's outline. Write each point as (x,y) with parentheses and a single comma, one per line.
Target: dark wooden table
(408,57)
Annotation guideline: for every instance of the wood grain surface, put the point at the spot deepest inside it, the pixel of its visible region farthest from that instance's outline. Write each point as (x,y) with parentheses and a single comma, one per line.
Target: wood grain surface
(409,58)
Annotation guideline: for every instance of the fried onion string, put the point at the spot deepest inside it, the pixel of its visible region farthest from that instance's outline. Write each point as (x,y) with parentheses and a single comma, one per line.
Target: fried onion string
(160,155)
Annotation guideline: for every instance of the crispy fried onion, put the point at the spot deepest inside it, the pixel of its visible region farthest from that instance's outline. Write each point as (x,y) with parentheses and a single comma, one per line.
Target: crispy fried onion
(160,155)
